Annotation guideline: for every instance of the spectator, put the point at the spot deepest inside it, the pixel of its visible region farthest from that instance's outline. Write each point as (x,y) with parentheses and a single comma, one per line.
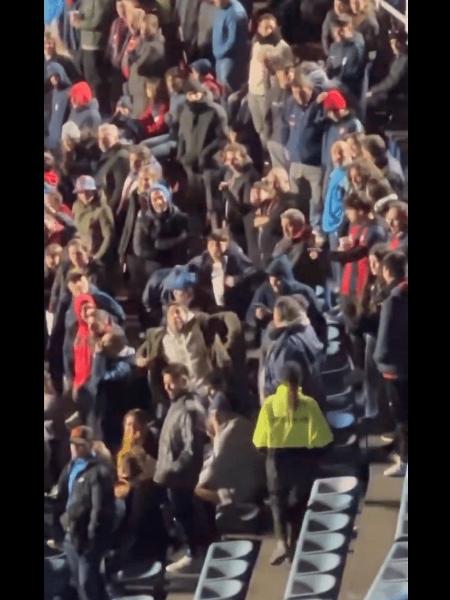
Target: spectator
(201,70)
(374,149)
(340,8)
(303,136)
(230,43)
(118,35)
(397,220)
(58,223)
(224,478)
(147,60)
(291,337)
(60,83)
(112,169)
(391,351)
(268,46)
(180,457)
(84,111)
(294,434)
(93,218)
(347,57)
(55,52)
(365,22)
(139,156)
(88,524)
(276,99)
(94,21)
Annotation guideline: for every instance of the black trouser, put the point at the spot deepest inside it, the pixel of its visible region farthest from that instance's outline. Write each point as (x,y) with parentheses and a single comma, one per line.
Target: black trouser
(290,475)
(95,71)
(85,570)
(397,393)
(182,503)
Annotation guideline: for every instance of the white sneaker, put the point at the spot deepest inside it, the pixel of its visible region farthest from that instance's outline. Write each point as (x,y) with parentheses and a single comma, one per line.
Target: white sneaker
(396,470)
(186,565)
(387,438)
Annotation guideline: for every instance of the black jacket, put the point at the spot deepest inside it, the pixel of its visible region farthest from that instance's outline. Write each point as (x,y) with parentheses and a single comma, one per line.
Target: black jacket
(148,60)
(89,513)
(113,168)
(391,351)
(200,136)
(161,238)
(396,81)
(346,62)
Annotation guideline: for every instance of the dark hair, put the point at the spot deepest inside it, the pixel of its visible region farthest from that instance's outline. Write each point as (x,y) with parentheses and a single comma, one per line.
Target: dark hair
(75,275)
(376,147)
(139,415)
(358,202)
(402,207)
(141,151)
(176,370)
(266,17)
(378,188)
(396,263)
(379,250)
(218,235)
(340,20)
(292,375)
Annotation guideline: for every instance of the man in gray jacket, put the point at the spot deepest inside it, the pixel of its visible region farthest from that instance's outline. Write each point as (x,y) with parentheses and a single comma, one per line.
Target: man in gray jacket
(94,21)
(180,459)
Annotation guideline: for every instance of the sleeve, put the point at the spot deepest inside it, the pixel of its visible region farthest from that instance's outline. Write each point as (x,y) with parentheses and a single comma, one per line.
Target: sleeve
(113,307)
(106,222)
(97,497)
(261,433)
(159,123)
(325,35)
(393,78)
(120,173)
(119,372)
(382,354)
(191,444)
(227,44)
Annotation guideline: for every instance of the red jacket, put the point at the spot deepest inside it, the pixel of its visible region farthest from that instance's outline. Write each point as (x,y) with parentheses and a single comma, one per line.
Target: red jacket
(153,120)
(212,85)
(83,351)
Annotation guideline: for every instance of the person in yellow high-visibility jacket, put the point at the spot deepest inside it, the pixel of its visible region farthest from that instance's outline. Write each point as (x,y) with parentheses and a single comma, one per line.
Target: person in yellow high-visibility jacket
(294,433)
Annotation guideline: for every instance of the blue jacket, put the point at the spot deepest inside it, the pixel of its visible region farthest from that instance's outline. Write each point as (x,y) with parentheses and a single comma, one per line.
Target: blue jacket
(230,32)
(333,210)
(299,344)
(303,132)
(53,9)
(281,267)
(59,105)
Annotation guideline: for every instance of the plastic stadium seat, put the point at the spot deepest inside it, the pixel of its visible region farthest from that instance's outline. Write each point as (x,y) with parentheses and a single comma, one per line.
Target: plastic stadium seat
(138,572)
(240,518)
(311,543)
(230,549)
(389,591)
(135,597)
(317,563)
(333,333)
(395,570)
(331,522)
(304,585)
(331,503)
(226,569)
(399,551)
(228,589)
(335,485)
(339,419)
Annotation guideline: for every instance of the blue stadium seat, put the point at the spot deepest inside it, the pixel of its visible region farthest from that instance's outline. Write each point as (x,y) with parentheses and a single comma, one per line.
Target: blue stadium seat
(228,589)
(311,543)
(226,569)
(305,585)
(325,523)
(230,549)
(336,485)
(331,503)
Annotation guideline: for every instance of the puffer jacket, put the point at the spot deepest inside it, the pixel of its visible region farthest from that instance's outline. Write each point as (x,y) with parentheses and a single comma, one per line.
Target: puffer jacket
(181,442)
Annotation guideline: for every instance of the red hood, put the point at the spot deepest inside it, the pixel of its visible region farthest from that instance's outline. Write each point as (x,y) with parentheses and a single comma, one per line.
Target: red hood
(52,178)
(78,303)
(81,93)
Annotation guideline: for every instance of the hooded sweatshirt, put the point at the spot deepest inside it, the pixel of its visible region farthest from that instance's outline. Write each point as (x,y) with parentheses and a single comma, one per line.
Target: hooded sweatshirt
(59,105)
(82,348)
(86,115)
(265,295)
(160,236)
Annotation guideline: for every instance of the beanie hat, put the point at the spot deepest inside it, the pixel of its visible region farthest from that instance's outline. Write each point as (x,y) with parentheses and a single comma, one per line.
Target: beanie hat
(180,279)
(51,178)
(334,101)
(159,187)
(202,66)
(81,93)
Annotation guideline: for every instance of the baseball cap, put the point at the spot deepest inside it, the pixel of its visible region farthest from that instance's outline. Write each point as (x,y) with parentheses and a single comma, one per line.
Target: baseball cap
(220,402)
(334,101)
(81,435)
(85,183)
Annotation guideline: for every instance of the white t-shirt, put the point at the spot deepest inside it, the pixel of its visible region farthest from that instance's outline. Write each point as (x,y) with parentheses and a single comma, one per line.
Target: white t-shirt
(218,282)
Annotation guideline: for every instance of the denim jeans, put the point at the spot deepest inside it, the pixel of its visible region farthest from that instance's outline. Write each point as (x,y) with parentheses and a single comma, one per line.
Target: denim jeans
(85,571)
(182,503)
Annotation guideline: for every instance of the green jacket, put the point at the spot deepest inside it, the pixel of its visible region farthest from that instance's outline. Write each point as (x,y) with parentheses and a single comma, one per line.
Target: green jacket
(95,226)
(222,333)
(96,18)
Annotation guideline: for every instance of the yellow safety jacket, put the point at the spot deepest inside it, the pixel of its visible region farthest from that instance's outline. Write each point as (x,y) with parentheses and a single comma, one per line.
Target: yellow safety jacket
(278,427)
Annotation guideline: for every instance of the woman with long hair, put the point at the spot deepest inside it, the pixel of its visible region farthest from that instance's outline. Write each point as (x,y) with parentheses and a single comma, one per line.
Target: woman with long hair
(294,434)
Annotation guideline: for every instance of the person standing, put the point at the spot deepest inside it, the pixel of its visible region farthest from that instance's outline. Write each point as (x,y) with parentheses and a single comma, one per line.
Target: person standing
(180,459)
(293,432)
(86,490)
(94,19)
(230,44)
(391,351)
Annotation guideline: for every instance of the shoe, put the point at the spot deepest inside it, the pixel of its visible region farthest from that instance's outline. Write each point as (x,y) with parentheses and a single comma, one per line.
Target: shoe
(396,470)
(387,438)
(186,565)
(280,554)
(53,545)
(73,421)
